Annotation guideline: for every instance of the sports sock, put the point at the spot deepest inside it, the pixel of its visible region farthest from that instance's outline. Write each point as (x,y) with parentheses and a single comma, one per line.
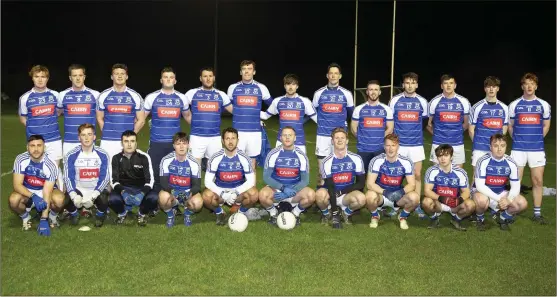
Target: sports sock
(218,210)
(348,211)
(375,214)
(537,211)
(435,216)
(188,212)
(25,216)
(170,213)
(480,217)
(272,211)
(404,214)
(445,208)
(506,216)
(100,213)
(298,210)
(325,211)
(52,215)
(243,209)
(455,216)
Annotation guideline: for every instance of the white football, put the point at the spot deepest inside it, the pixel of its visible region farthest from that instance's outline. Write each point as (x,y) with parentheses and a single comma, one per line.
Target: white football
(238,222)
(286,220)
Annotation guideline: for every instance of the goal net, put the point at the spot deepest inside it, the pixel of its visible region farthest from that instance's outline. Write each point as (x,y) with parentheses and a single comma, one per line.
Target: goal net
(361,96)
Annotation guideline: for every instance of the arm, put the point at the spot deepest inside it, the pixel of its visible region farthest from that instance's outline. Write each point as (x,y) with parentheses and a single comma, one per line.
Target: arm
(104,176)
(330,184)
(210,183)
(248,184)
(428,192)
(165,185)
(271,182)
(482,188)
(349,111)
(371,185)
(546,125)
(187,116)
(48,187)
(429,126)
(510,127)
(195,185)
(505,129)
(471,131)
(229,108)
(354,127)
(139,121)
(100,119)
(465,193)
(304,181)
(148,174)
(515,190)
(23,120)
(390,127)
(357,186)
(264,115)
(69,174)
(465,122)
(115,173)
(19,187)
(60,111)
(410,184)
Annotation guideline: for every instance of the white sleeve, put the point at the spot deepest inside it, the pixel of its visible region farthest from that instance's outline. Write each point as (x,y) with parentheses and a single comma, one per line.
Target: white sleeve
(316,97)
(149,102)
(479,180)
(304,163)
(195,167)
(465,105)
(356,113)
(430,174)
(462,179)
(230,91)
(506,114)
(60,100)
(23,105)
(432,106)
(189,96)
(349,98)
(265,95)
(325,173)
(512,106)
(273,108)
(308,107)
(210,183)
(514,181)
(184,102)
(138,101)
(359,164)
(100,102)
(392,102)
(248,172)
(375,165)
(474,111)
(389,113)
(408,167)
(423,104)
(225,99)
(546,110)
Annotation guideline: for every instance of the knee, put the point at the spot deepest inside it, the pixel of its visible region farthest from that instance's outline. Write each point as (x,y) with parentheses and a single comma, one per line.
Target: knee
(57,200)
(266,195)
(414,198)
(14,200)
(480,201)
(537,181)
(115,199)
(428,204)
(310,198)
(361,199)
(470,206)
(321,197)
(418,175)
(164,197)
(253,195)
(207,196)
(522,203)
(195,203)
(372,197)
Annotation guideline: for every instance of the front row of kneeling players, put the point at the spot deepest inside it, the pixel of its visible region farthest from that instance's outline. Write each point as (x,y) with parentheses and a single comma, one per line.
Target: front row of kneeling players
(230,179)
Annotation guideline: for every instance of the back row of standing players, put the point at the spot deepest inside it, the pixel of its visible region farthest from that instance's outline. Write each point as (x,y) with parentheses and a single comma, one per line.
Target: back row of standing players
(120,108)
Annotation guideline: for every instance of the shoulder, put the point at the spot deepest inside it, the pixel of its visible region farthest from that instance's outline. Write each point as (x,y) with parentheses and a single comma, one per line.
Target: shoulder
(462,99)
(319,91)
(63,93)
(100,151)
(478,104)
(436,99)
(105,93)
(26,95)
(354,157)
(53,92)
(94,92)
(134,94)
(21,157)
(152,96)
(460,172)
(346,92)
(405,160)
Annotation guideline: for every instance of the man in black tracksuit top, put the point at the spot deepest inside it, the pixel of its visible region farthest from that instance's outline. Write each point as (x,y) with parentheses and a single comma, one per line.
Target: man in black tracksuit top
(132,181)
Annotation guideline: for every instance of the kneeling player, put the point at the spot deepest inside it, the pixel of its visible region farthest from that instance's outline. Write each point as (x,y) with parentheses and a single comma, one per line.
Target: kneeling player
(34,179)
(287,176)
(446,190)
(180,177)
(87,176)
(229,178)
(344,176)
(492,172)
(384,183)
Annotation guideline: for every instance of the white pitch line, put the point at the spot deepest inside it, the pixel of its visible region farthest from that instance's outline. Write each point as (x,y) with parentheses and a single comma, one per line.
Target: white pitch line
(6,173)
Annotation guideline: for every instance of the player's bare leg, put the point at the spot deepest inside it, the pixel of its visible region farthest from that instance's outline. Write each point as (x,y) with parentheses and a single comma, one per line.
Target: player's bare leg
(482,204)
(351,202)
(56,205)
(214,202)
(373,200)
(418,190)
(408,203)
(18,205)
(322,202)
(433,209)
(536,174)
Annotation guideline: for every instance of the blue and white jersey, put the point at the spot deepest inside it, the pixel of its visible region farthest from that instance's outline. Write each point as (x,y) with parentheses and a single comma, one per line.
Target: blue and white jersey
(35,174)
(291,112)
(447,184)
(40,110)
(86,171)
(79,108)
(331,105)
(206,109)
(180,173)
(372,122)
(391,174)
(287,165)
(247,100)
(343,171)
(120,109)
(408,113)
(496,173)
(230,172)
(166,112)
(528,116)
(489,119)
(448,117)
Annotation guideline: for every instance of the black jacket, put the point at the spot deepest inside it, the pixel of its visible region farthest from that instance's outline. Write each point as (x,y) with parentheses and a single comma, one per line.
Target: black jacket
(134,172)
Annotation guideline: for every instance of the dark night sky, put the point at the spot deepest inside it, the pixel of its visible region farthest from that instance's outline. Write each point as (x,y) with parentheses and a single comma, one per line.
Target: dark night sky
(468,39)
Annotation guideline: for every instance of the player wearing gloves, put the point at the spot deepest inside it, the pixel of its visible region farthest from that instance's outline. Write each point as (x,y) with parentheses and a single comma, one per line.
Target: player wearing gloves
(446,190)
(384,183)
(491,175)
(344,176)
(180,177)
(229,178)
(86,176)
(132,181)
(34,179)
(287,177)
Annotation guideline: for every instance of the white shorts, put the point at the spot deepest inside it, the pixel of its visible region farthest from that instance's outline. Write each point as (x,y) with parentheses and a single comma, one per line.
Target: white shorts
(534,159)
(414,153)
(388,203)
(459,156)
(112,147)
(204,147)
(339,202)
(323,146)
(250,143)
(54,150)
(302,147)
(68,146)
(476,155)
(492,203)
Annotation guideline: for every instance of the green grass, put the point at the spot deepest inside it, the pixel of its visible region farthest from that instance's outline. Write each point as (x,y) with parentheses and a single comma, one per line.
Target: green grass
(310,260)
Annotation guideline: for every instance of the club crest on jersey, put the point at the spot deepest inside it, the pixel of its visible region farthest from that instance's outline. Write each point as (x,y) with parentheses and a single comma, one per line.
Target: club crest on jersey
(87,98)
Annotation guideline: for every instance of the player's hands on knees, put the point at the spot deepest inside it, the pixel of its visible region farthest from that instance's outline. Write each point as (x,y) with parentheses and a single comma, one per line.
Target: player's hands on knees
(289,192)
(77,199)
(39,202)
(504,203)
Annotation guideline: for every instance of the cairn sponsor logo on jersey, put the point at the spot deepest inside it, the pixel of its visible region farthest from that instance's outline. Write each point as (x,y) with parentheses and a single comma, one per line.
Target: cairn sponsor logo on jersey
(446,191)
(119,108)
(495,180)
(408,116)
(79,109)
(207,106)
(373,122)
(44,110)
(290,115)
(168,112)
(86,173)
(287,172)
(230,176)
(183,181)
(247,100)
(449,116)
(492,123)
(529,119)
(332,108)
(34,180)
(391,180)
(342,177)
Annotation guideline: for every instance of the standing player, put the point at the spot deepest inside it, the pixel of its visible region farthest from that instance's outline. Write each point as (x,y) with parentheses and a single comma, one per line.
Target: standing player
(344,176)
(384,183)
(247,97)
(371,122)
(207,105)
(119,109)
(487,117)
(78,104)
(166,106)
(132,181)
(86,170)
(448,118)
(292,109)
(446,190)
(287,177)
(180,176)
(37,112)
(34,179)
(230,178)
(530,118)
(333,104)
(493,170)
